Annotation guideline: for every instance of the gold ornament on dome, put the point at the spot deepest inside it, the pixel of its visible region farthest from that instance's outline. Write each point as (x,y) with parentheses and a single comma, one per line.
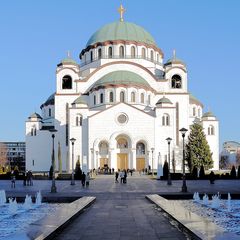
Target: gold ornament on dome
(121,10)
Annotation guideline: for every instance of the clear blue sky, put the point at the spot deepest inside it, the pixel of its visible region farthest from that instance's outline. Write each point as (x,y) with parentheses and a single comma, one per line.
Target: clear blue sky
(35,36)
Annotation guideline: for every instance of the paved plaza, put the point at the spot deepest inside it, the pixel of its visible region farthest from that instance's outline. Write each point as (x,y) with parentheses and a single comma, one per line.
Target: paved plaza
(120,211)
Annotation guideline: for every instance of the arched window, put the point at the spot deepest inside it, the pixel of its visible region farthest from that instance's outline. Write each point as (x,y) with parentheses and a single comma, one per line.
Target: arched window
(110,52)
(49,112)
(111,97)
(165,120)
(199,113)
(79,120)
(91,56)
(66,82)
(122,143)
(176,81)
(133,52)
(142,97)
(211,130)
(152,57)
(101,98)
(103,148)
(133,97)
(157,57)
(194,111)
(121,51)
(149,99)
(94,99)
(143,53)
(122,96)
(85,57)
(33,131)
(140,148)
(99,53)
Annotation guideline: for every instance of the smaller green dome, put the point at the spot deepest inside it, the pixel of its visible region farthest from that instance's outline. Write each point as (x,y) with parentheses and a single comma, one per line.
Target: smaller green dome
(194,100)
(49,101)
(35,115)
(163,100)
(208,114)
(80,100)
(126,78)
(174,61)
(68,60)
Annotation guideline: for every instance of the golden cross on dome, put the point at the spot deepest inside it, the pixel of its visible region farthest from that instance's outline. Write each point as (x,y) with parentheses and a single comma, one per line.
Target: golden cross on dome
(68,54)
(174,54)
(121,10)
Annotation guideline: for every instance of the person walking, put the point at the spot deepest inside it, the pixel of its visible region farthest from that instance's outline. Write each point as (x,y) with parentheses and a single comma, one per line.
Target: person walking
(13,179)
(83,179)
(212,177)
(121,174)
(124,176)
(116,177)
(87,179)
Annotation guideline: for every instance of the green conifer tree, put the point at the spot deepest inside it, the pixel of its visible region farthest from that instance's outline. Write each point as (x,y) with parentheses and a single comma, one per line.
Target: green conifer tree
(197,149)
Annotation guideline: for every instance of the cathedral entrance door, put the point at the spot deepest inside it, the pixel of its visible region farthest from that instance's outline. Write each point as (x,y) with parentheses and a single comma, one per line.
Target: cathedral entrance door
(140,164)
(122,161)
(103,161)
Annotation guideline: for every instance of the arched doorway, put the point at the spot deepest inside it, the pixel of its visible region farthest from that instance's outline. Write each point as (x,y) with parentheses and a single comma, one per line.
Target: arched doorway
(122,152)
(103,155)
(140,156)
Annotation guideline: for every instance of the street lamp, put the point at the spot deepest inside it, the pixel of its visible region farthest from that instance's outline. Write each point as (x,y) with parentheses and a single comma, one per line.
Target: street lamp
(53,187)
(72,141)
(169,182)
(152,149)
(184,186)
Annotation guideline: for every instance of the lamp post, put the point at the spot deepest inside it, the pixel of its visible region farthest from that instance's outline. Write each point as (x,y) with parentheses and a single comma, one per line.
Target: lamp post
(152,149)
(184,186)
(72,141)
(53,187)
(169,182)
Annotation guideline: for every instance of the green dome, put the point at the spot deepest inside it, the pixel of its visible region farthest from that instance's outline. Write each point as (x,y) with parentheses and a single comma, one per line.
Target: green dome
(208,114)
(68,61)
(49,101)
(121,31)
(122,78)
(80,100)
(35,115)
(163,100)
(194,100)
(174,61)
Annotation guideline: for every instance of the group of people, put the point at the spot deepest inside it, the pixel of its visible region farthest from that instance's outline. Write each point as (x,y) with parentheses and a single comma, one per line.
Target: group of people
(28,178)
(85,179)
(123,176)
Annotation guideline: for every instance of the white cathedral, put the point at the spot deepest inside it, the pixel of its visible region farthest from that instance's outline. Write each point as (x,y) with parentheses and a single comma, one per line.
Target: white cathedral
(120,103)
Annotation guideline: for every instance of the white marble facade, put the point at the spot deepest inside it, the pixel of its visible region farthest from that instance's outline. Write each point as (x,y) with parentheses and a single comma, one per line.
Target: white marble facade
(120,103)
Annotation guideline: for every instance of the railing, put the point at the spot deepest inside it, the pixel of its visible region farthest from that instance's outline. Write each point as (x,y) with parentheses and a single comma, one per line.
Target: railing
(119,57)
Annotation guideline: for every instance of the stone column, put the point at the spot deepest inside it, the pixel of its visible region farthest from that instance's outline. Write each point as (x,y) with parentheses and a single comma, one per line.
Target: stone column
(96,162)
(134,160)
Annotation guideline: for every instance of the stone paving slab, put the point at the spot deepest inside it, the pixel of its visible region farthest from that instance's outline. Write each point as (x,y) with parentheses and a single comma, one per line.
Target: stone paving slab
(125,217)
(200,227)
(46,227)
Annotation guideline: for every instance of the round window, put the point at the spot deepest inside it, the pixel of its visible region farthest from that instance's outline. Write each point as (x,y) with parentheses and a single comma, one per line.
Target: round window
(122,118)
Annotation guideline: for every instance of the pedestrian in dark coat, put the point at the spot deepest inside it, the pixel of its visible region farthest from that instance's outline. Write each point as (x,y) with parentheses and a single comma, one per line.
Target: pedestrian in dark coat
(83,179)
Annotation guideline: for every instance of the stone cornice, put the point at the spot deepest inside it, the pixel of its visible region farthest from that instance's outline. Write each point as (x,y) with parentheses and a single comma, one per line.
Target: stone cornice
(125,42)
